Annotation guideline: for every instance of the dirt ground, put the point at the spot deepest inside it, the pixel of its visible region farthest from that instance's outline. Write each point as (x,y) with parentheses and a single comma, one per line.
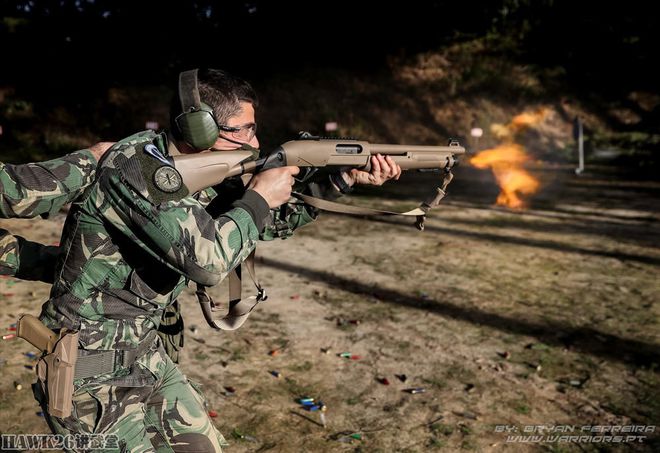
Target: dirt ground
(542,317)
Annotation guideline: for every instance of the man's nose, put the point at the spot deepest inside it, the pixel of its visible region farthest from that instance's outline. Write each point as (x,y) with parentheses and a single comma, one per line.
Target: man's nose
(254,142)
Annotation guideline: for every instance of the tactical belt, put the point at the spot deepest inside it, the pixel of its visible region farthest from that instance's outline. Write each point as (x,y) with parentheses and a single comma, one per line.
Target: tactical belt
(97,362)
(240,309)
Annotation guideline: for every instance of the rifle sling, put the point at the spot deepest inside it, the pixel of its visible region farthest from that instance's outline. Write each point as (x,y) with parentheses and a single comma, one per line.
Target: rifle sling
(419,212)
(239,309)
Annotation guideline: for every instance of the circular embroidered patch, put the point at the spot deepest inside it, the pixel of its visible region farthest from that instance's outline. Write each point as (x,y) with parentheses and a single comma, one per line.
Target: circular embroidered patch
(167,179)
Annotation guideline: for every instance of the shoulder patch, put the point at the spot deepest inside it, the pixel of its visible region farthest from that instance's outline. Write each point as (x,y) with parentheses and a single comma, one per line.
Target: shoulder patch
(139,164)
(163,182)
(167,179)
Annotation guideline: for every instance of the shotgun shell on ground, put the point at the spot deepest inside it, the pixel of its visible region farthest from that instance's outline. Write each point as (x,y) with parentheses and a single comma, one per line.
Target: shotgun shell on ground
(415,390)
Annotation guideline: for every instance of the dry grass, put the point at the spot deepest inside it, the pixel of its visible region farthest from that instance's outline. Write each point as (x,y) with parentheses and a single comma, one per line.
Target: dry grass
(543,317)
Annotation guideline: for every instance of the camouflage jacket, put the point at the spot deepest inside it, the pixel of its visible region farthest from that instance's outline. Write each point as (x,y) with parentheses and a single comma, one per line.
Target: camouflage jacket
(36,189)
(130,249)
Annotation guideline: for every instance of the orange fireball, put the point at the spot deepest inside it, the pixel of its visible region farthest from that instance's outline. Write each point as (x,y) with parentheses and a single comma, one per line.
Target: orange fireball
(507,160)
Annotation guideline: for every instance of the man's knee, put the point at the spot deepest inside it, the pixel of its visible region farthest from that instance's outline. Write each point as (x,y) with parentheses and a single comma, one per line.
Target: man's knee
(193,442)
(178,408)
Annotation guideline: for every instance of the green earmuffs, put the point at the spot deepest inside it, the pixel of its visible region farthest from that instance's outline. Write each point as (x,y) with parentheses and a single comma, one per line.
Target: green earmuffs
(197,124)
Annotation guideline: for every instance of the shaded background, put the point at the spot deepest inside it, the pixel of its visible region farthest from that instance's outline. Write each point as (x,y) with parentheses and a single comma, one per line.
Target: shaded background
(77,71)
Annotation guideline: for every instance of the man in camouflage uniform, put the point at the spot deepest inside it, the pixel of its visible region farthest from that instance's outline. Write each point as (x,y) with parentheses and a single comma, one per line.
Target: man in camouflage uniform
(30,190)
(131,248)
(42,189)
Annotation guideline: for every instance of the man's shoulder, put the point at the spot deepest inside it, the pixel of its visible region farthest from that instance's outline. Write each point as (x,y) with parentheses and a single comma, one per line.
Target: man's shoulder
(140,162)
(137,138)
(127,148)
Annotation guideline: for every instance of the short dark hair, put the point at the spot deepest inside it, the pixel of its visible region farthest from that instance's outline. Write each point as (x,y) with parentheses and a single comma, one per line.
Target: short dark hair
(222,91)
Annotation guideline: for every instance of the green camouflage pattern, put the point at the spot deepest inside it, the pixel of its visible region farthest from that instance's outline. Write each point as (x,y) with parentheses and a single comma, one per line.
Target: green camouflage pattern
(286,220)
(127,254)
(167,413)
(125,258)
(171,331)
(34,189)
(9,253)
(25,259)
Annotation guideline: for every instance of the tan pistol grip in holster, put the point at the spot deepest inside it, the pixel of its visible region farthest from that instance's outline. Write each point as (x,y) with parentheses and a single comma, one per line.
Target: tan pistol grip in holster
(60,367)
(55,369)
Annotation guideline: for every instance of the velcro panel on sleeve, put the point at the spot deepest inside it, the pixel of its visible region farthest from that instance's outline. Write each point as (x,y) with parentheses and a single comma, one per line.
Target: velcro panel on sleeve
(138,171)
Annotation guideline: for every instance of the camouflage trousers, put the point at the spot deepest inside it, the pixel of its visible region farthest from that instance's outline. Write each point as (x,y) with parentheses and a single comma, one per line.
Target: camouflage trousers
(167,415)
